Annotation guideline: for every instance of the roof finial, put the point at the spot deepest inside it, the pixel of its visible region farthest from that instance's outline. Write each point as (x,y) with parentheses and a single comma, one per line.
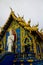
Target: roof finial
(29,22)
(41,30)
(11,9)
(37,25)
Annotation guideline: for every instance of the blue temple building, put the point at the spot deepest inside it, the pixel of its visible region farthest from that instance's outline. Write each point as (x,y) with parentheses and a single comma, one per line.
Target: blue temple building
(27,46)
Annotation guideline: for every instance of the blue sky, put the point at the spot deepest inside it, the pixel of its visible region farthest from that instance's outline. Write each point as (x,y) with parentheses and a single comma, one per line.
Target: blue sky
(30,9)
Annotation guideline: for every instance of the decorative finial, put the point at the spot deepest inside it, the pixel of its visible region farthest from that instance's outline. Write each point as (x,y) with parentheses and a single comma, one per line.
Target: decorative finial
(41,30)
(11,9)
(29,22)
(23,17)
(37,25)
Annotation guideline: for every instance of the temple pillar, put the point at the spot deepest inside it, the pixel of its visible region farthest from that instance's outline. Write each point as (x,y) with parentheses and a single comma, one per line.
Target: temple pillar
(34,46)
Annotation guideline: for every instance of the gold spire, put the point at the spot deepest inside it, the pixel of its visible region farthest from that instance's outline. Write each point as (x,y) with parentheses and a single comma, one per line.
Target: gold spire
(37,25)
(12,12)
(41,31)
(29,22)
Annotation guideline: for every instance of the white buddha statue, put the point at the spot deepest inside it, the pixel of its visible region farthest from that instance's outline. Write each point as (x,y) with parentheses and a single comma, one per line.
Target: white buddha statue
(10,41)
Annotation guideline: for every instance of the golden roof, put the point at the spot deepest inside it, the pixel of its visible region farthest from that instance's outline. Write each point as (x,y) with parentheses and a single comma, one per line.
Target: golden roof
(23,23)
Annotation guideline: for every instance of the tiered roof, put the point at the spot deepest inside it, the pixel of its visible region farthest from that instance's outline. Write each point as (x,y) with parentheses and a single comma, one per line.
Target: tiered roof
(21,22)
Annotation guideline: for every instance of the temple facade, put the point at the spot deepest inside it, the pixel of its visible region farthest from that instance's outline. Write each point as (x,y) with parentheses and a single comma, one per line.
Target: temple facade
(27,40)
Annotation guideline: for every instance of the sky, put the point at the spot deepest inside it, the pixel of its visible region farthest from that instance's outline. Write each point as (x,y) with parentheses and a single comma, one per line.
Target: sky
(30,9)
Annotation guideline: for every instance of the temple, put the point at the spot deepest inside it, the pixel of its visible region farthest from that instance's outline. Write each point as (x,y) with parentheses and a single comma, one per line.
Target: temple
(27,45)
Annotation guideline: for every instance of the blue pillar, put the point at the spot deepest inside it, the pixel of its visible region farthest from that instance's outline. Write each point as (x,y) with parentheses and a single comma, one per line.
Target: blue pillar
(18,49)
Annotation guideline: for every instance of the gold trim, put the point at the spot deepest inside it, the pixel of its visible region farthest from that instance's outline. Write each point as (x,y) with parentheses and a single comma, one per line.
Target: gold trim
(21,22)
